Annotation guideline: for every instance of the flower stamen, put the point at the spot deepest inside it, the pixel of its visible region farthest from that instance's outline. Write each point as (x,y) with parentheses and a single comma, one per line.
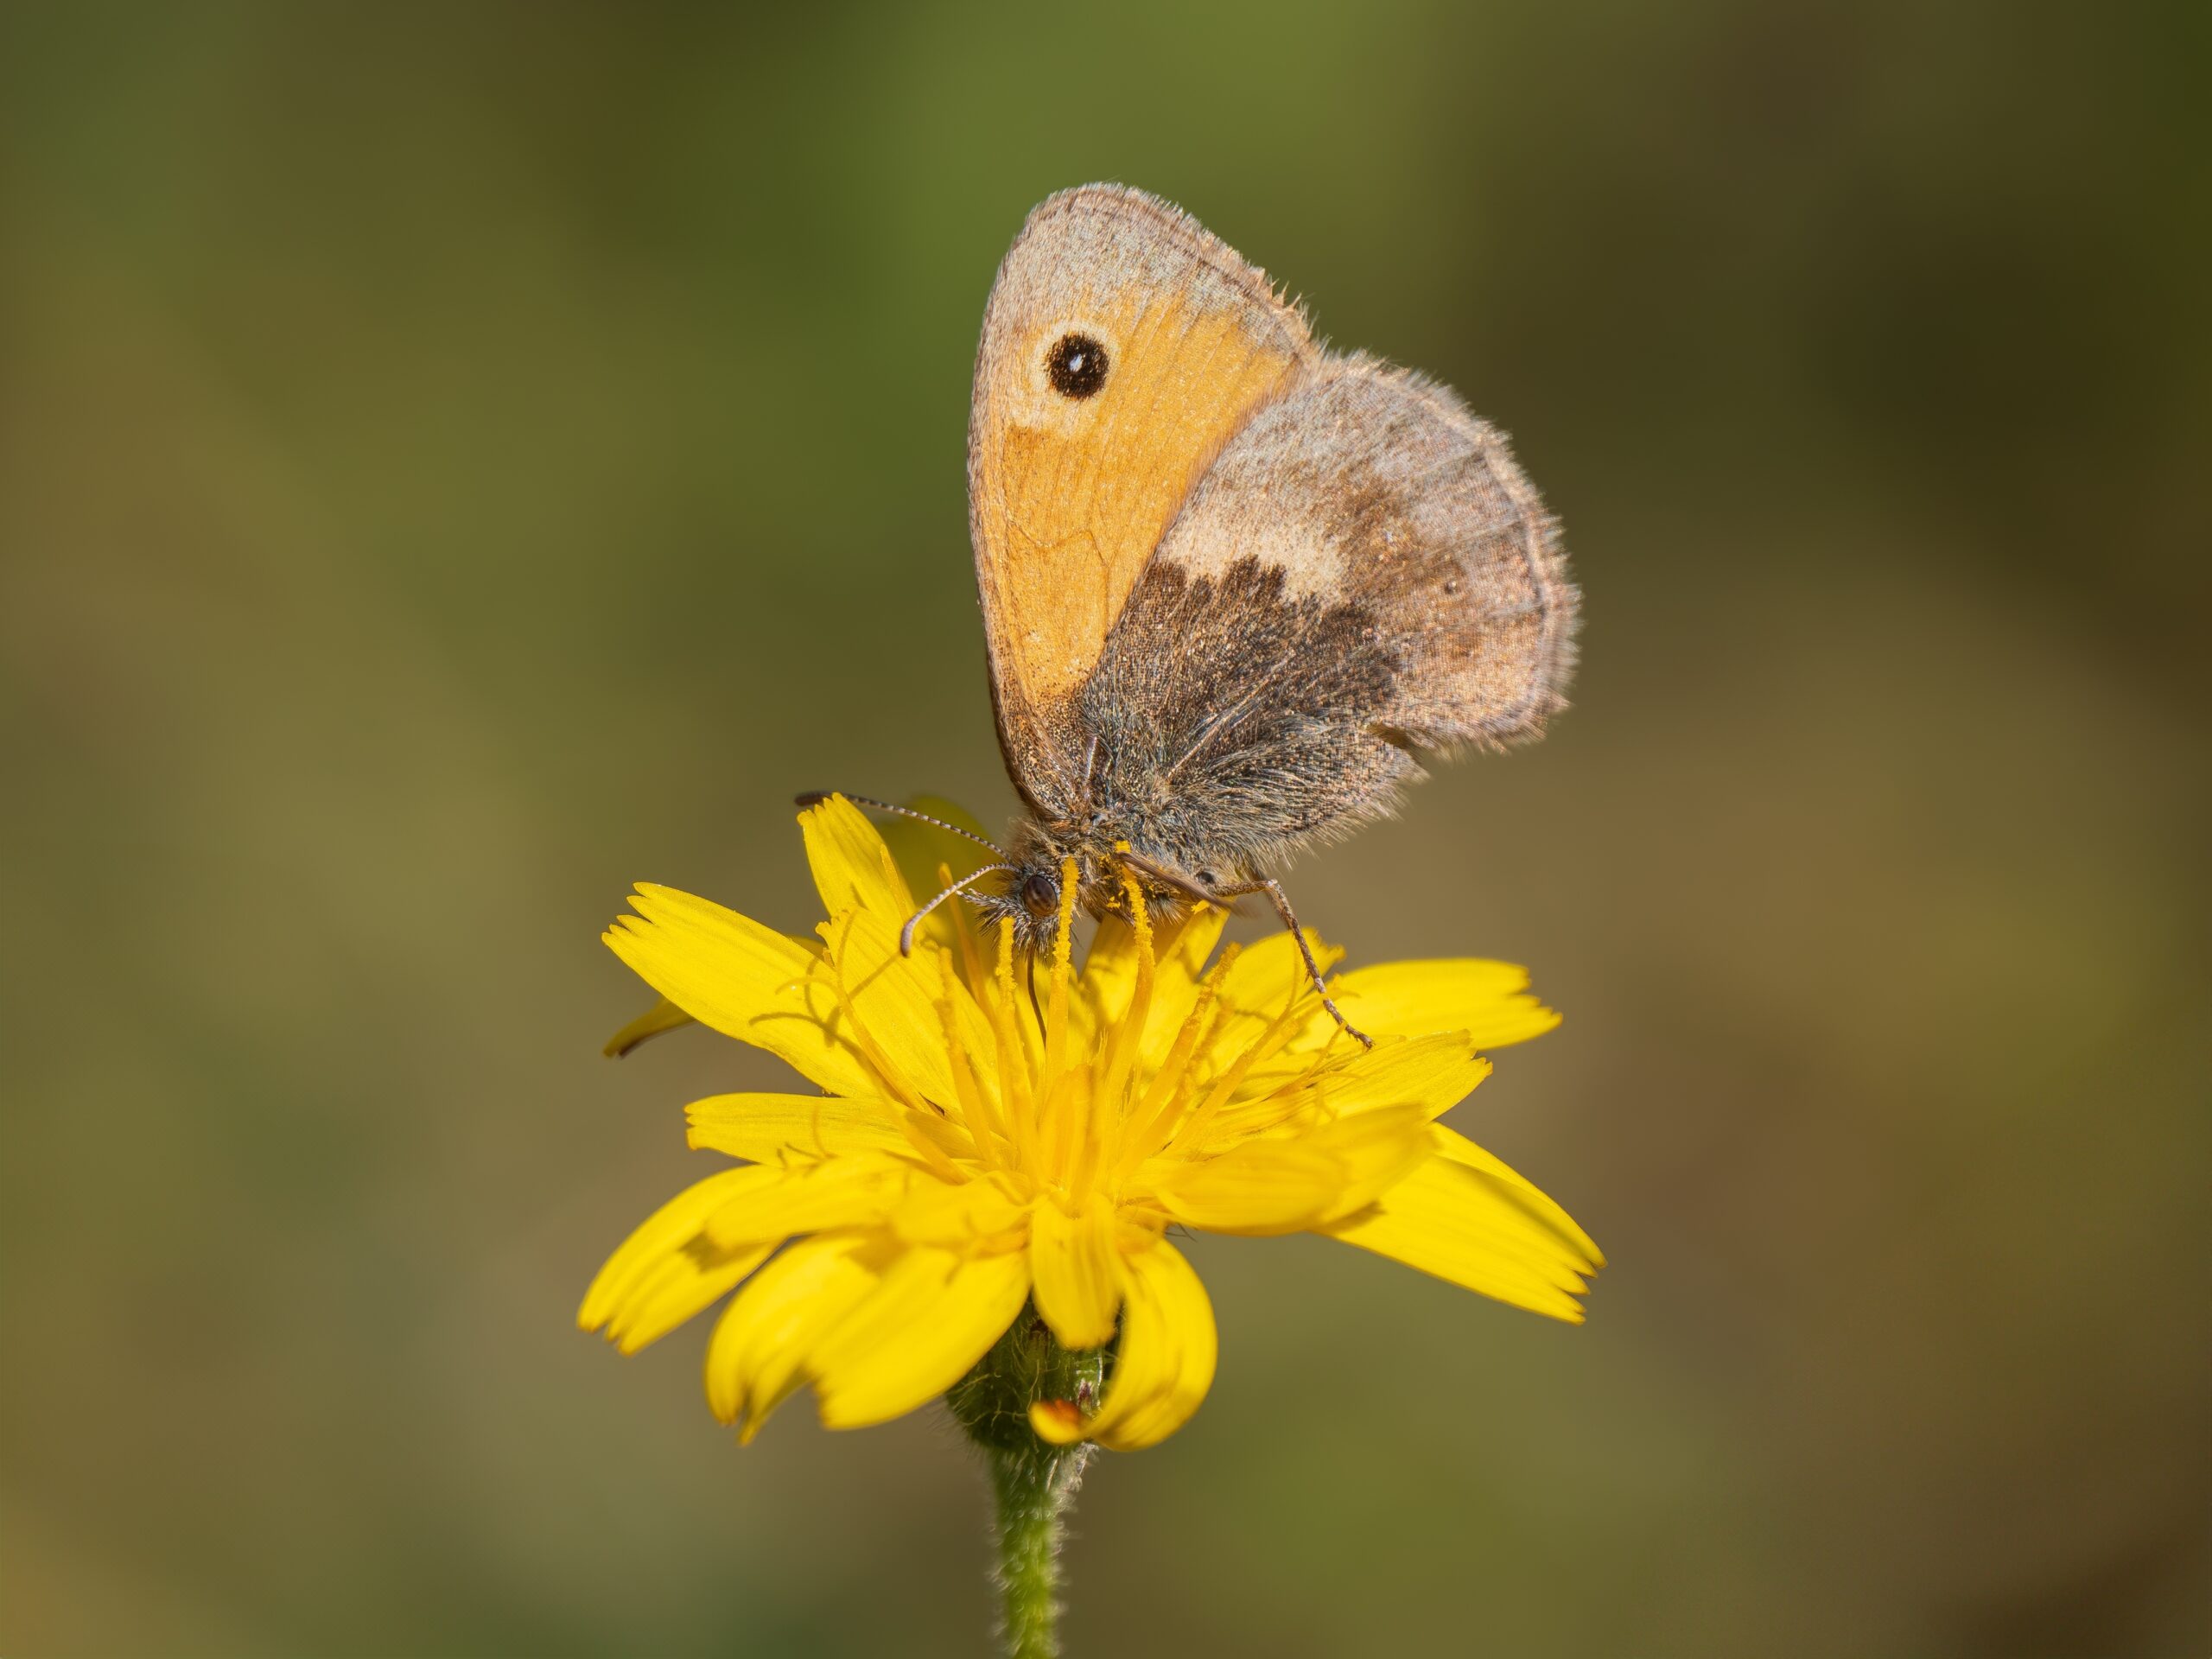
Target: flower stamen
(1171,1088)
(1056,1004)
(892,1081)
(1269,1043)
(1014,1084)
(1128,1036)
(963,929)
(975,1109)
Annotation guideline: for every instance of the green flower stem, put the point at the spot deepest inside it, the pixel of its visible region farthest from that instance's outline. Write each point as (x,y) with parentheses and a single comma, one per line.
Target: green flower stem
(1034,1483)
(1034,1492)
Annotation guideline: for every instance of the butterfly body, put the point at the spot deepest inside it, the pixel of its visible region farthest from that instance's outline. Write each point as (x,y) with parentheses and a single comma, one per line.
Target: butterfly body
(1226,724)
(1233,583)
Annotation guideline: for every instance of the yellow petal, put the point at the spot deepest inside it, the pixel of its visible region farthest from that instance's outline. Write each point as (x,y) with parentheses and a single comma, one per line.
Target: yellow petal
(1267,979)
(661,1237)
(1182,948)
(961,1217)
(758,1127)
(1433,1073)
(934,1314)
(1448,1219)
(1375,1150)
(1263,979)
(896,998)
(1486,999)
(853,869)
(850,1191)
(927,1125)
(1075,1268)
(920,850)
(1258,1188)
(1109,976)
(678,1285)
(762,1340)
(1543,1212)
(1163,1367)
(744,980)
(664,1015)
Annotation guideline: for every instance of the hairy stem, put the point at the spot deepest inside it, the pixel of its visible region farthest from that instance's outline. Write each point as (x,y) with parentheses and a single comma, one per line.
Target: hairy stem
(1034,1483)
(1033,1495)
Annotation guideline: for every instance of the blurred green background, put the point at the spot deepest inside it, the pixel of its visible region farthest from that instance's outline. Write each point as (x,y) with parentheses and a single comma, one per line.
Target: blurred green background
(457,461)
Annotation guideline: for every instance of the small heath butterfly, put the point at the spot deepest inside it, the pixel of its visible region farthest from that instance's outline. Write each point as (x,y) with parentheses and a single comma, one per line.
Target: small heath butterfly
(1233,582)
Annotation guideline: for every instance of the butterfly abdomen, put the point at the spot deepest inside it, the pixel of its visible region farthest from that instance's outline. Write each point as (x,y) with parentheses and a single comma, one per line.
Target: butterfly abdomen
(1233,717)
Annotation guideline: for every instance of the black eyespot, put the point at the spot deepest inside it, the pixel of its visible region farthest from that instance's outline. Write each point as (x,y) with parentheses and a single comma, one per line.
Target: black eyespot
(1207,878)
(1041,893)
(1077,365)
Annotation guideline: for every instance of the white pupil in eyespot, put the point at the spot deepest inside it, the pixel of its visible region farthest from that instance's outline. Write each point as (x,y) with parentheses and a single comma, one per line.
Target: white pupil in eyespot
(1077,365)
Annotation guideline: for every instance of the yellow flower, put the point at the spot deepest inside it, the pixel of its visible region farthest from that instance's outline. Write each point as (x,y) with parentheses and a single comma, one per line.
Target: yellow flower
(989,1137)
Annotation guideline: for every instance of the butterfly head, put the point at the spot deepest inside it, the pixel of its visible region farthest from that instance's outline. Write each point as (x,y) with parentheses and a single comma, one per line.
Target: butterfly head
(1030,901)
(1034,895)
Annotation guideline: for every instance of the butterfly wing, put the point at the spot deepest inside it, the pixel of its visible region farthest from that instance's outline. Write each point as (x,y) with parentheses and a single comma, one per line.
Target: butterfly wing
(1361,572)
(1123,348)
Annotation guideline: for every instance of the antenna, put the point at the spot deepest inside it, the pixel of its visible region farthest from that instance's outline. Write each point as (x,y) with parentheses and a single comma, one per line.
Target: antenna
(816,797)
(906,933)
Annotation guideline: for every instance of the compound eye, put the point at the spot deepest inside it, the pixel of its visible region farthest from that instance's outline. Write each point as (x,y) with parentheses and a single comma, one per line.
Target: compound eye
(1041,893)
(1076,365)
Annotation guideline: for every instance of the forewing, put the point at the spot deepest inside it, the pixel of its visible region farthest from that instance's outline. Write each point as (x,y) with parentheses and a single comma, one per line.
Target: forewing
(1070,491)
(1364,570)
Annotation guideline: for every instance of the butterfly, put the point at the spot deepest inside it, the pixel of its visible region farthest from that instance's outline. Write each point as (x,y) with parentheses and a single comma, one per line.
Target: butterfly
(1234,584)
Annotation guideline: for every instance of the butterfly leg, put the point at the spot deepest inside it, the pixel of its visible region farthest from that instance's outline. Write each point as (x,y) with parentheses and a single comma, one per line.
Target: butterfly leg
(1273,888)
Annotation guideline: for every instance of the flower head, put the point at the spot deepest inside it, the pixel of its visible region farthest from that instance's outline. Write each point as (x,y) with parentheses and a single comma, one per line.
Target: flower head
(993,1132)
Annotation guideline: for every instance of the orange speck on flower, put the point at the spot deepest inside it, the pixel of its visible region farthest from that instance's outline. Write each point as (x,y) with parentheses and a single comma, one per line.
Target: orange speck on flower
(1058,1421)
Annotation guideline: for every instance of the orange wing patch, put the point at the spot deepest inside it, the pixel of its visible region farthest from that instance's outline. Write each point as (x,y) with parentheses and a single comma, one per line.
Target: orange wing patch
(1123,348)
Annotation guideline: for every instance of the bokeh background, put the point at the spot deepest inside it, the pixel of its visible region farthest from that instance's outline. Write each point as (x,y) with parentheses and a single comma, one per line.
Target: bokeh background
(457,461)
